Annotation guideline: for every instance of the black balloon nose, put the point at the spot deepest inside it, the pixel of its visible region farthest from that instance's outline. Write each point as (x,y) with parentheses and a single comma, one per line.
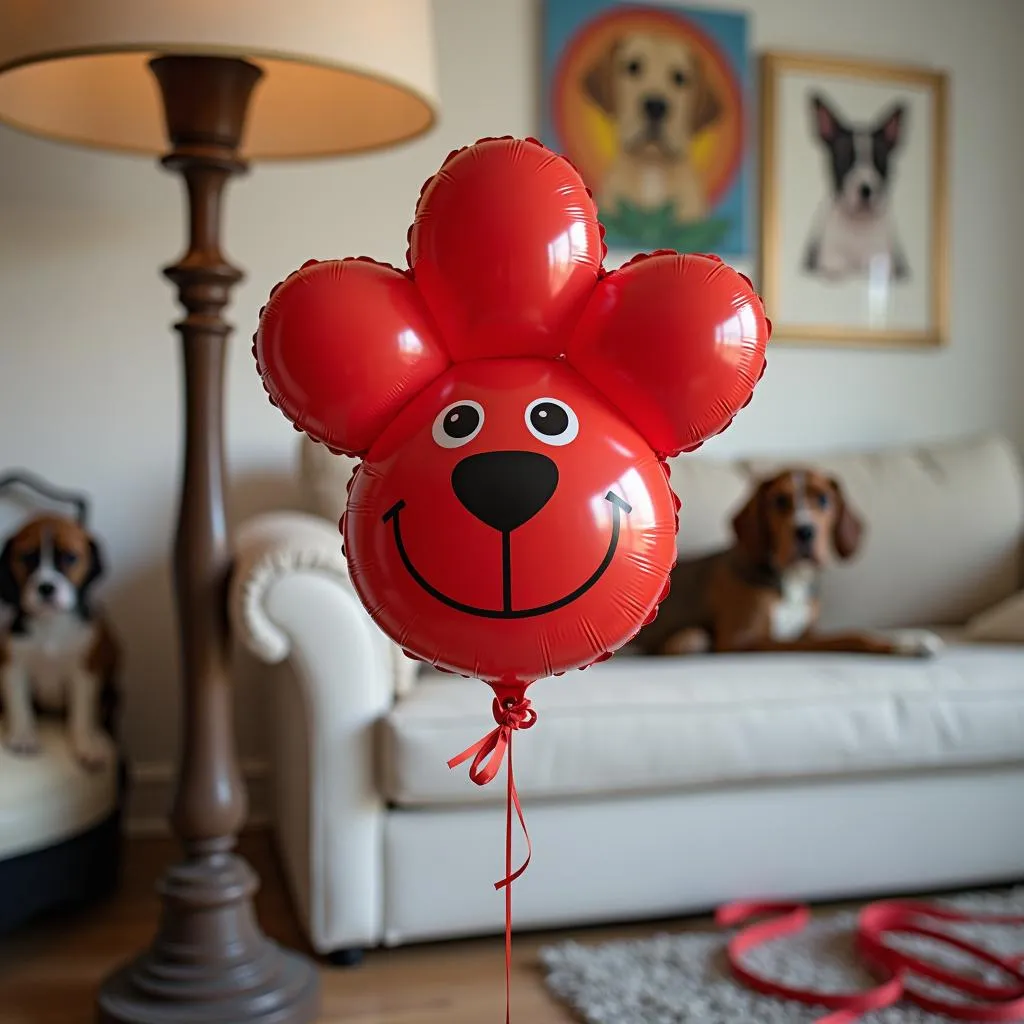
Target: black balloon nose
(865,191)
(804,533)
(46,589)
(655,108)
(505,489)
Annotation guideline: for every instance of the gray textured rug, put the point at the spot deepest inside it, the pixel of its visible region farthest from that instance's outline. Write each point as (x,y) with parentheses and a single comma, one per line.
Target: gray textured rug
(685,979)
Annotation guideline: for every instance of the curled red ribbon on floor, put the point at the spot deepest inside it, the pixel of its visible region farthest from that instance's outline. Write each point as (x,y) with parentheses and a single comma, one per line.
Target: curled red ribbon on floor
(875,922)
(512,712)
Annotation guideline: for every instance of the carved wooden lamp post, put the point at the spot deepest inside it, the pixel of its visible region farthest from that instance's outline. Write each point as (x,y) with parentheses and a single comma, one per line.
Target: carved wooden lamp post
(210,84)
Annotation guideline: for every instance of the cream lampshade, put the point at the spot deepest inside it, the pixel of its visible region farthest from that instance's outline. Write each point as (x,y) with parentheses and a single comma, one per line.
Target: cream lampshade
(210,84)
(340,76)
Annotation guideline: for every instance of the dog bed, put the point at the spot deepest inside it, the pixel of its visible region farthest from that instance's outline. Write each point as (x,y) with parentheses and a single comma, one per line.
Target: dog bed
(60,828)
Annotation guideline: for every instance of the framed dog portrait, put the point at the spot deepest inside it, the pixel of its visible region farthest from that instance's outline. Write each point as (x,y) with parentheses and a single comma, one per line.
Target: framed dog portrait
(650,103)
(853,201)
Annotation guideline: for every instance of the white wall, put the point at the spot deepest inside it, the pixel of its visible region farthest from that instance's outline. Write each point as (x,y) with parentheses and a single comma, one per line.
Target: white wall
(89,391)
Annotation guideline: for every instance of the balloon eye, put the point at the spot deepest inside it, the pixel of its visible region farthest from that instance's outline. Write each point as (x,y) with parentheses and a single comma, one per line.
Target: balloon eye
(458,424)
(551,421)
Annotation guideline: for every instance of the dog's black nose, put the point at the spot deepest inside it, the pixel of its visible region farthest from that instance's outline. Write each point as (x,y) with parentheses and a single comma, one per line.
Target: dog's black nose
(865,192)
(804,533)
(46,590)
(505,489)
(655,108)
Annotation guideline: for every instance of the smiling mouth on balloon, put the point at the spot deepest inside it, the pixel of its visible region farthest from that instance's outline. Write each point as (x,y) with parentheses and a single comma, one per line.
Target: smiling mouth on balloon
(507,611)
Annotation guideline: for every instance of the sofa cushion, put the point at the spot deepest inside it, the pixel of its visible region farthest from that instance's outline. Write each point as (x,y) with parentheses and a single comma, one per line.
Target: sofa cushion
(637,725)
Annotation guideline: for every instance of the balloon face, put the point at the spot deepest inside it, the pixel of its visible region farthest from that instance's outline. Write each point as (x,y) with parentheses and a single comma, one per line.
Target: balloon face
(510,523)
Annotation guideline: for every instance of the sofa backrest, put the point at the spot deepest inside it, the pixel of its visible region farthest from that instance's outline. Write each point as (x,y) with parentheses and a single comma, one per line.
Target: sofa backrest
(323,479)
(944,523)
(943,526)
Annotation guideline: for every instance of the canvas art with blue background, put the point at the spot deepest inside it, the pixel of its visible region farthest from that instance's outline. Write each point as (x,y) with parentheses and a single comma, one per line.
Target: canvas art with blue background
(651,104)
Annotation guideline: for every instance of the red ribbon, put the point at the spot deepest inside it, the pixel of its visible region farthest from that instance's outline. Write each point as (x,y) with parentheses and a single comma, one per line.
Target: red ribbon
(888,917)
(511,713)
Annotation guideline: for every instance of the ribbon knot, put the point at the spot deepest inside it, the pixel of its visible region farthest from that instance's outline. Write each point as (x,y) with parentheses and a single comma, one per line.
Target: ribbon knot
(514,712)
(511,714)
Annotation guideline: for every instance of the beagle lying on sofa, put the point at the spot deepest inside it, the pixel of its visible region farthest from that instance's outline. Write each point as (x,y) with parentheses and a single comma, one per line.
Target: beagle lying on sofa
(761,594)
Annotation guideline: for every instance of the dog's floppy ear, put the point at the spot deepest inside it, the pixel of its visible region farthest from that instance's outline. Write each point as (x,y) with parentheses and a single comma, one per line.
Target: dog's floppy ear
(707,106)
(9,590)
(96,566)
(93,573)
(847,529)
(750,524)
(599,81)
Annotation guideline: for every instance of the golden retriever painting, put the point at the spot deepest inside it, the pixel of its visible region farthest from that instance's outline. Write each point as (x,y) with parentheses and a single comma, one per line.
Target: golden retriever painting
(649,103)
(655,91)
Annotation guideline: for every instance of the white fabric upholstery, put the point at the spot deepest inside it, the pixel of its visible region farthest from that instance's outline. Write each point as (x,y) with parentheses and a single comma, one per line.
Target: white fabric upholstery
(631,725)
(328,806)
(49,797)
(275,546)
(597,861)
(655,787)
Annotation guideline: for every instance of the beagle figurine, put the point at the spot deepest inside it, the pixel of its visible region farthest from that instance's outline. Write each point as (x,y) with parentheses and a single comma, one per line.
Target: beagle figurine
(761,594)
(58,655)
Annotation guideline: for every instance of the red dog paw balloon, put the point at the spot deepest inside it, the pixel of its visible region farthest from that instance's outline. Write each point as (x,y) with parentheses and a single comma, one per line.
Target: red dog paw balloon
(511,517)
(512,403)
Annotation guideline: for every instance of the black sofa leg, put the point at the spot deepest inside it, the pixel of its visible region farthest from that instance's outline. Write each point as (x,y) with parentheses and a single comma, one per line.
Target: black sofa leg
(345,957)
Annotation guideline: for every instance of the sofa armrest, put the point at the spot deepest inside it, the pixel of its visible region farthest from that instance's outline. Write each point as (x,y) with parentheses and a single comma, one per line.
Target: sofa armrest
(271,547)
(268,548)
(291,601)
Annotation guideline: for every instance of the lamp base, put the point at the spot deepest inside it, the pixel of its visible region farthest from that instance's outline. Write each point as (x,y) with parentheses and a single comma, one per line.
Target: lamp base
(214,967)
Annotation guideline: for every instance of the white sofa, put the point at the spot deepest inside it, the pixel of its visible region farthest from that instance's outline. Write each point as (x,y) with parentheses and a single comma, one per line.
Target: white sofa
(654,787)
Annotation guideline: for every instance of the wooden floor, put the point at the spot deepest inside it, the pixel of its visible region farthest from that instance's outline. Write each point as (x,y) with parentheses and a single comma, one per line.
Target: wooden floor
(49,971)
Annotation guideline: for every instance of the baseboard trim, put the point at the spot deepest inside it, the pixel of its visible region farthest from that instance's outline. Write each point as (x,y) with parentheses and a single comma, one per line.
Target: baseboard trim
(151,790)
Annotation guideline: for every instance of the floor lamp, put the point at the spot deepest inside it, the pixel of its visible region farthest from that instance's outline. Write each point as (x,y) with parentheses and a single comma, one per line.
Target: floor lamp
(211,85)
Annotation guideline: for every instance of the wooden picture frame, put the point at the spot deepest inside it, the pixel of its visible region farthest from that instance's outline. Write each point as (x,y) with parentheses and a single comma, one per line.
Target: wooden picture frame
(854,202)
